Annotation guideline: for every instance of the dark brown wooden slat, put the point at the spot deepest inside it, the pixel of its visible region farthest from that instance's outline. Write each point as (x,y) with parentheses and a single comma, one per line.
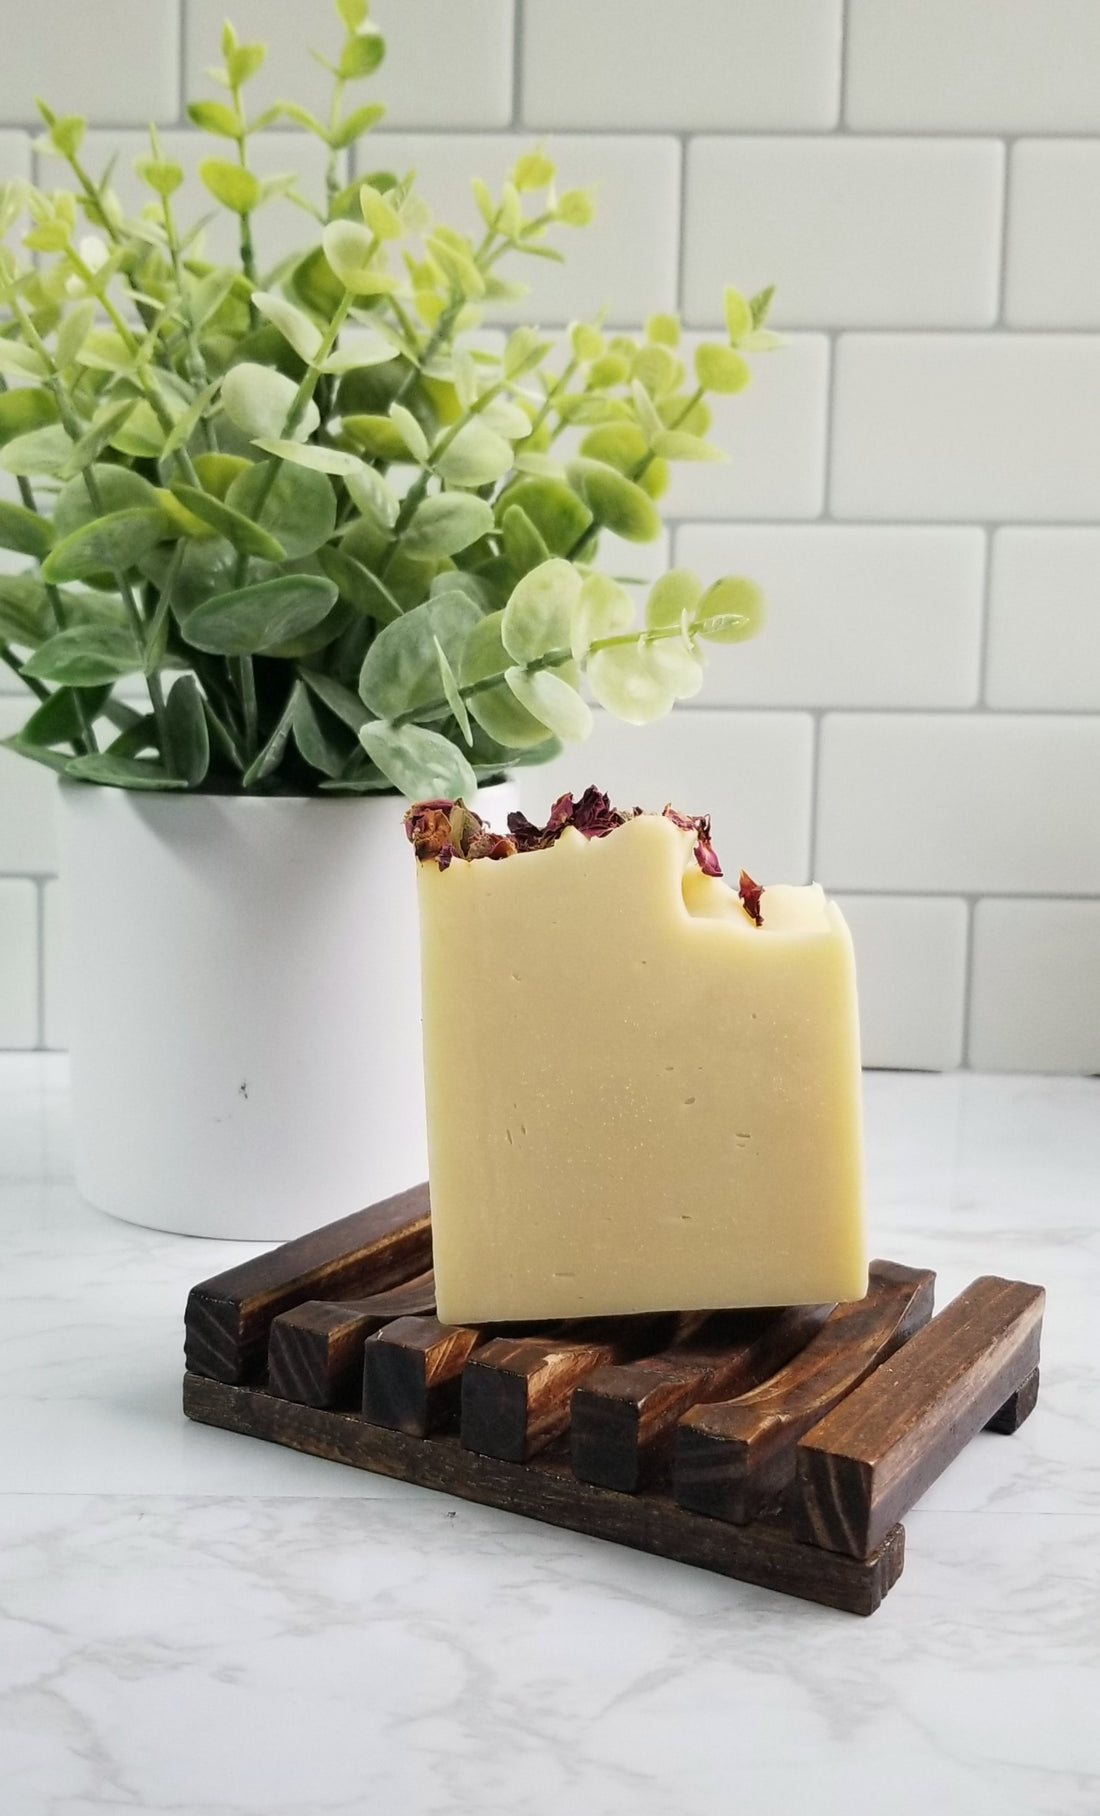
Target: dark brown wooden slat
(516,1390)
(315,1350)
(876,1453)
(412,1373)
(623,1419)
(1018,1407)
(731,1458)
(764,1554)
(228,1317)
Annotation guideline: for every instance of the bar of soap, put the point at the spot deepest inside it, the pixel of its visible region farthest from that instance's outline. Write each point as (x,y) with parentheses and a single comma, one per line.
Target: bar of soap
(638,1099)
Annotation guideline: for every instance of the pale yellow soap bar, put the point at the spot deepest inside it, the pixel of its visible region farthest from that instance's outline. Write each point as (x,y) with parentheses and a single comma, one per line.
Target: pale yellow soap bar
(637,1099)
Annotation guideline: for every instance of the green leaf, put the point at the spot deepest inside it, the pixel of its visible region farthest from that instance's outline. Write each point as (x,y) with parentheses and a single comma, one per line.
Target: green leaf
(676,592)
(524,548)
(257,400)
(242,62)
(382,219)
(354,125)
(730,610)
(42,452)
(73,330)
(247,537)
(374,498)
(188,733)
(110,771)
(422,764)
(616,503)
(105,426)
(456,263)
(760,304)
(339,699)
(532,170)
(559,516)
(524,350)
(539,615)
(25,409)
(674,444)
(618,444)
(625,682)
(604,609)
(23,746)
(25,531)
(352,12)
(499,713)
(447,523)
(188,421)
(230,184)
(720,369)
(299,509)
(363,51)
(550,699)
(112,544)
(58,720)
(86,655)
(18,361)
(351,250)
(311,454)
(25,616)
(379,438)
(400,671)
(413,436)
(118,488)
(215,116)
(677,665)
(270,755)
(320,747)
(256,618)
(359,586)
(450,690)
(477,456)
(163,175)
(738,315)
(293,324)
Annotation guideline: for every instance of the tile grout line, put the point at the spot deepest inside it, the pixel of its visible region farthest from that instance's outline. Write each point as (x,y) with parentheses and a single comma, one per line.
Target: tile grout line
(40,940)
(999,325)
(519,39)
(842,127)
(681,237)
(815,794)
(968,980)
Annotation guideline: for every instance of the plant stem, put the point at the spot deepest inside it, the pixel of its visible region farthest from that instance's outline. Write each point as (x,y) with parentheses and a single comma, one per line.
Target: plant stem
(332,183)
(641,466)
(37,687)
(555,658)
(248,253)
(298,406)
(417,490)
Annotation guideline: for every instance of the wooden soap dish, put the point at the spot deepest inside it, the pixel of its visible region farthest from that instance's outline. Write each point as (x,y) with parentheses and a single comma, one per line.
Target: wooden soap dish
(778,1447)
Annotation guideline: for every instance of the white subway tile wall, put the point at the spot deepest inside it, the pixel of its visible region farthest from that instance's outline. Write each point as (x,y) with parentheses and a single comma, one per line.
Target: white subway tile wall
(914,478)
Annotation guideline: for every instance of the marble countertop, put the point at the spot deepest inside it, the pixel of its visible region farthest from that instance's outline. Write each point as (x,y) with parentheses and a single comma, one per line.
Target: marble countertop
(197,1623)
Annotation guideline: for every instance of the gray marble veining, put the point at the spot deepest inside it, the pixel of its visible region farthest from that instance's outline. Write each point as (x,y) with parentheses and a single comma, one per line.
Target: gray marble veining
(194,1624)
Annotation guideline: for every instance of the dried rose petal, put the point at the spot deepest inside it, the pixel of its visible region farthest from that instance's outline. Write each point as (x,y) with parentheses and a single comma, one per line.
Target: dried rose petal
(750,894)
(527,836)
(707,858)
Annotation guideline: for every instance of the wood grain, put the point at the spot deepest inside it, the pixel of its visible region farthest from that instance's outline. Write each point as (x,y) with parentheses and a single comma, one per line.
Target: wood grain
(315,1350)
(412,1374)
(623,1418)
(516,1390)
(732,1458)
(764,1554)
(876,1453)
(228,1317)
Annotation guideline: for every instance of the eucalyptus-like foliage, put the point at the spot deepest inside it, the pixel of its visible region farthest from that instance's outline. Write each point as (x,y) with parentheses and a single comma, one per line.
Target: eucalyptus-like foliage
(339,541)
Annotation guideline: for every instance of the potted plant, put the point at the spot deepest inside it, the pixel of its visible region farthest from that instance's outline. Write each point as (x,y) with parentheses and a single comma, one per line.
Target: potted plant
(338,547)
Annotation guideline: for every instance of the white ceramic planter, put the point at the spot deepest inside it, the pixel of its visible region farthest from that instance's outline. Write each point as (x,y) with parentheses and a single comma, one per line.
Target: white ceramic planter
(245,1006)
